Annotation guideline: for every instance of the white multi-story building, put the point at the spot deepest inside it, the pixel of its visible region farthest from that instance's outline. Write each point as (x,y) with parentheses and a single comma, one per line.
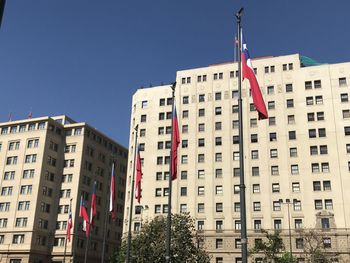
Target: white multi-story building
(45,162)
(298,159)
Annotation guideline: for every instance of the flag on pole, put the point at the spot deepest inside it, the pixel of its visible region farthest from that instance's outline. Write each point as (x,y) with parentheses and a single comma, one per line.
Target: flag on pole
(93,205)
(30,115)
(70,223)
(84,215)
(138,176)
(248,73)
(112,193)
(174,144)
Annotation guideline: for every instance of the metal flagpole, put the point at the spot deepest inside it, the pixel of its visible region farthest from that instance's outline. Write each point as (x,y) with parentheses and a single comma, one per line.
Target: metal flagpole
(131,199)
(168,225)
(88,238)
(241,154)
(2,7)
(105,223)
(65,244)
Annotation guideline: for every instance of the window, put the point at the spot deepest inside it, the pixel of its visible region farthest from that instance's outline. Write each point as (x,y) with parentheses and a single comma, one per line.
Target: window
(325,167)
(309,100)
(328,204)
(344,97)
(298,223)
(327,243)
(273,153)
(201,98)
(235,109)
(290,103)
(219,224)
(9,175)
(296,205)
(273,136)
(201,174)
(289,87)
(183,130)
(235,139)
(325,223)
(295,187)
(327,185)
(291,119)
(218,190)
(294,169)
(237,224)
(319,99)
(185,100)
(320,116)
(275,188)
(318,204)
(271,105)
(11,160)
(219,243)
(292,135)
(162,102)
(218,157)
(201,158)
(200,225)
(299,243)
(317,84)
(6,190)
(312,133)
(257,224)
(218,173)
(255,171)
(217,95)
(256,188)
(270,90)
(219,207)
(143,118)
(201,142)
(323,149)
(316,185)
(184,159)
(200,190)
(218,126)
(200,208)
(277,224)
(255,154)
(276,206)
(253,138)
(217,110)
(313,150)
(274,170)
(293,152)
(315,167)
(18,239)
(321,132)
(183,208)
(14,146)
(183,191)
(253,122)
(311,116)
(237,207)
(308,85)
(201,127)
(218,141)
(238,243)
(346,114)
(201,112)
(185,114)
(342,82)
(256,206)
(272,121)
(347,130)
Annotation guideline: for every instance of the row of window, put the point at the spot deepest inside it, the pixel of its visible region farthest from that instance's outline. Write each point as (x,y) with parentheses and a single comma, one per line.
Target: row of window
(23,128)
(233,74)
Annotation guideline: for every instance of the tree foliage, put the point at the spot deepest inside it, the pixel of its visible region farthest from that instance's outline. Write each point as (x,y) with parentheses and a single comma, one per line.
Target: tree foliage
(149,244)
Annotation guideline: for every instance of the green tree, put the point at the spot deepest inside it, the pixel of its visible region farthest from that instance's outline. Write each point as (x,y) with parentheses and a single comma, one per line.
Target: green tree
(149,244)
(272,249)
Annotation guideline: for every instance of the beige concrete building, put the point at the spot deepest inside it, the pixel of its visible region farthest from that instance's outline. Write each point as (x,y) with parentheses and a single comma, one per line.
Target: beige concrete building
(297,160)
(45,162)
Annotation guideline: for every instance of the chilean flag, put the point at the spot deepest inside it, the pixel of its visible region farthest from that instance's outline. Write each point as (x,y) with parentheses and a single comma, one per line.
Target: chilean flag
(248,73)
(83,214)
(174,144)
(138,176)
(70,223)
(112,193)
(93,205)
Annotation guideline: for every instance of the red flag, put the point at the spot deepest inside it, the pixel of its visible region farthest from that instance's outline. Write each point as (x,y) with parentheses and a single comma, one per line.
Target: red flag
(112,193)
(138,176)
(84,215)
(70,223)
(174,144)
(248,73)
(93,205)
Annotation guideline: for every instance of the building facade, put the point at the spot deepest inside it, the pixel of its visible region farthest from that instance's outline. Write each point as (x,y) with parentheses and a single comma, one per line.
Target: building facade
(46,163)
(297,163)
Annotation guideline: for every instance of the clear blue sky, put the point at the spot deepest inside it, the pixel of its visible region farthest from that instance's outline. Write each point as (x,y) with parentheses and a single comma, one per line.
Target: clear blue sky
(86,58)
